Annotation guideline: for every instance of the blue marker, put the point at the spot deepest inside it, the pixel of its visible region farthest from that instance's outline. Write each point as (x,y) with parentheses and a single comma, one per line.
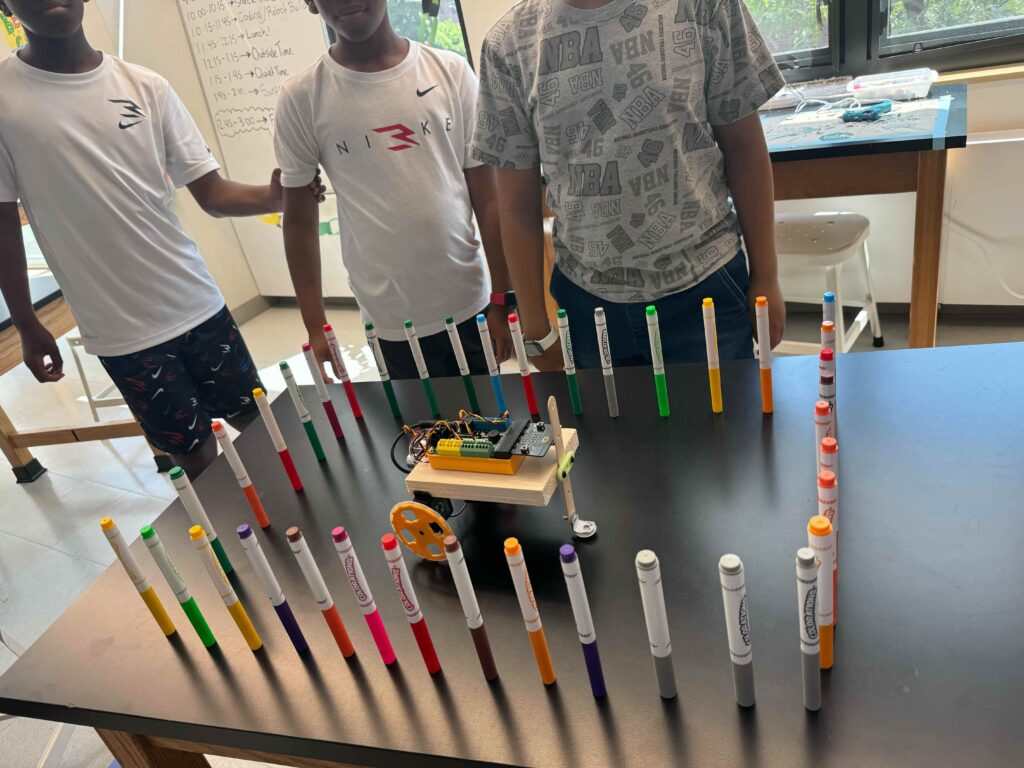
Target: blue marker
(492,364)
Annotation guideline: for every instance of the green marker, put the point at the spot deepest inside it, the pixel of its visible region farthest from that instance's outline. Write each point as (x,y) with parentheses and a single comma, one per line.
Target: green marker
(421,367)
(177,585)
(570,364)
(382,370)
(197,514)
(657,360)
(300,407)
(460,358)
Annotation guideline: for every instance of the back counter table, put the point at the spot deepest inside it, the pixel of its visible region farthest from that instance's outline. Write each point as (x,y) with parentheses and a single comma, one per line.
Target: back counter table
(931,613)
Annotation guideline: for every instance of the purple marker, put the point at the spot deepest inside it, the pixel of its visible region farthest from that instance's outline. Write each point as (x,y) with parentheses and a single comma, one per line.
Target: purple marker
(266,577)
(584,621)
(361,589)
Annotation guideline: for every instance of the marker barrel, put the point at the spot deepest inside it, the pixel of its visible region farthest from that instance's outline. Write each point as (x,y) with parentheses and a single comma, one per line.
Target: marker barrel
(224,588)
(263,404)
(196,513)
(711,343)
(382,370)
(822,429)
(657,360)
(584,619)
(499,395)
(149,596)
(421,368)
(235,461)
(467,383)
(339,364)
(569,362)
(492,363)
(764,353)
(828,335)
(470,606)
(821,538)
(302,411)
(827,384)
(321,390)
(361,589)
(528,606)
(410,605)
(198,621)
(807,615)
(828,506)
(314,440)
(460,359)
(648,571)
(271,586)
(332,419)
(428,389)
(828,307)
(524,364)
(291,627)
(178,586)
(317,585)
(829,452)
(608,374)
(737,625)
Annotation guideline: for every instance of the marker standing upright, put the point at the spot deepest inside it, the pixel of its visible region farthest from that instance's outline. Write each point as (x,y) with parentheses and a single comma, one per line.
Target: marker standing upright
(302,411)
(807,613)
(177,585)
(604,347)
(382,370)
(411,606)
(648,572)
(827,384)
(828,507)
(528,607)
(492,364)
(235,462)
(421,368)
(737,627)
(830,456)
(657,360)
(339,366)
(197,514)
(470,606)
(277,438)
(584,620)
(224,588)
(361,589)
(569,363)
(318,587)
(764,352)
(148,594)
(822,429)
(524,365)
(321,389)
(711,342)
(828,307)
(822,539)
(828,335)
(460,358)
(265,575)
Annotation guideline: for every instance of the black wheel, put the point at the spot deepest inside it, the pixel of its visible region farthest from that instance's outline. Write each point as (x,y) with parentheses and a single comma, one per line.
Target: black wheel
(879,342)
(443,507)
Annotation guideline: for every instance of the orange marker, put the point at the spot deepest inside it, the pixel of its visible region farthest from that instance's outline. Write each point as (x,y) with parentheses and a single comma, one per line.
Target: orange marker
(829,456)
(528,605)
(764,352)
(240,474)
(318,587)
(822,539)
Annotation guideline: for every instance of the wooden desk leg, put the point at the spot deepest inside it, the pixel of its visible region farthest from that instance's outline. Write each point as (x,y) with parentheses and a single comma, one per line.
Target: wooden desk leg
(135,751)
(25,466)
(924,287)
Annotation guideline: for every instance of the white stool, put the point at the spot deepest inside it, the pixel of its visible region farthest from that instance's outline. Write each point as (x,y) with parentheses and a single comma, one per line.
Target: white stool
(826,241)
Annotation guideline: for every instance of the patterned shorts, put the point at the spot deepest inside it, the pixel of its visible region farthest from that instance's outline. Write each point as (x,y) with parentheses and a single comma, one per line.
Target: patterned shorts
(176,388)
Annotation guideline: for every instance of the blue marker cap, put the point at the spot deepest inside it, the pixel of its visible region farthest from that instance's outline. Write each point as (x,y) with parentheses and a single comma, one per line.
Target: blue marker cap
(481,319)
(568,553)
(828,297)
(244,531)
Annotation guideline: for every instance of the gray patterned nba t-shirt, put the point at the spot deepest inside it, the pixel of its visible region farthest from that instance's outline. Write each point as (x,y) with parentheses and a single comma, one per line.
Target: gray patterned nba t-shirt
(616,105)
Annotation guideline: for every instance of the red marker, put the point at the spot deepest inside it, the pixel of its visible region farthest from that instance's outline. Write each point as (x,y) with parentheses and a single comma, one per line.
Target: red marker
(411,606)
(276,438)
(524,364)
(339,366)
(321,390)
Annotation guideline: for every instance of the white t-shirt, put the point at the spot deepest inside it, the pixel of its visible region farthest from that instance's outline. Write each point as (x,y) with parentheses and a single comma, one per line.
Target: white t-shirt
(394,145)
(87,156)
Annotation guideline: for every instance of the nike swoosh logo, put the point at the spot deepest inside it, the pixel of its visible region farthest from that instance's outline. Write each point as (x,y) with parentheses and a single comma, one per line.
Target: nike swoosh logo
(122,126)
(217,367)
(195,419)
(157,372)
(421,94)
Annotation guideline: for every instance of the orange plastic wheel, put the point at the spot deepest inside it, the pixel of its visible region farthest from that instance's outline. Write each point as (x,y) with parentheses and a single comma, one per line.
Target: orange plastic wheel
(420,528)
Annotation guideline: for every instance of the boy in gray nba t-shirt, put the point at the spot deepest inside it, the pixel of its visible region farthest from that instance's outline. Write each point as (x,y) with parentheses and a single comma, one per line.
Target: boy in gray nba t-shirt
(642,116)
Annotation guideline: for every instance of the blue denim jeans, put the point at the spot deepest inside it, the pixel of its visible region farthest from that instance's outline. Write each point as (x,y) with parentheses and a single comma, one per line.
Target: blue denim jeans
(679,317)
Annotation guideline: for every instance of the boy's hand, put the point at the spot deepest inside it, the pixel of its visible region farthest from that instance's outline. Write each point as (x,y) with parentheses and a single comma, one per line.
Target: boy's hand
(771,290)
(316,188)
(37,344)
(497,324)
(322,352)
(550,360)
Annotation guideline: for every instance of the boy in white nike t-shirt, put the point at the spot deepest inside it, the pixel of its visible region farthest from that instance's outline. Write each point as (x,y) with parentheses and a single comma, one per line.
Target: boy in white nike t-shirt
(390,121)
(87,143)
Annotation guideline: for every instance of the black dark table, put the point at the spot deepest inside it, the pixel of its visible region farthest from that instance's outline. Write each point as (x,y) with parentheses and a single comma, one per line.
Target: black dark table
(931,615)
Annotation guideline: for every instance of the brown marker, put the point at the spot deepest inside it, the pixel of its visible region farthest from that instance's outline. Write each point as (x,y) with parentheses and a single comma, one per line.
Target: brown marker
(470,607)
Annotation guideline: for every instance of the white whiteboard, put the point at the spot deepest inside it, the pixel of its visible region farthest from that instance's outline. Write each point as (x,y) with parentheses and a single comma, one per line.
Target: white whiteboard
(244,50)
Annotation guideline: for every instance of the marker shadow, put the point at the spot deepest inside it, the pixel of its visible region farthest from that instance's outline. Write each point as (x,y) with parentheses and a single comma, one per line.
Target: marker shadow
(506,718)
(330,706)
(610,730)
(453,720)
(220,661)
(366,695)
(402,687)
(673,712)
(561,723)
(274,682)
(747,720)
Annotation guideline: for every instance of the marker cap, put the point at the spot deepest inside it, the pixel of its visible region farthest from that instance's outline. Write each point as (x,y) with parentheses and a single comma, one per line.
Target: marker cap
(146,532)
(306,347)
(388,541)
(368,326)
(568,553)
(761,301)
(513,317)
(175,473)
(827,354)
(449,319)
(829,445)
(327,327)
(407,323)
(827,479)
(196,532)
(258,393)
(650,310)
(821,408)
(451,544)
(828,326)
(828,297)
(283,365)
(562,313)
(216,426)
(708,303)
(244,531)
(805,557)
(481,319)
(819,525)
(730,565)
(512,546)
(339,534)
(293,533)
(106,523)
(646,560)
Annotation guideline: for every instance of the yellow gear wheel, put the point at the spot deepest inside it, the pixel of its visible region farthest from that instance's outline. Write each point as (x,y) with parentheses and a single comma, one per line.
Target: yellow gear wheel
(420,528)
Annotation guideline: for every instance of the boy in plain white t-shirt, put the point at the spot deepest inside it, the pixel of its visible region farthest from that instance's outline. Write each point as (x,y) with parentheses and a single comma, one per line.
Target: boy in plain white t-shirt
(390,121)
(87,143)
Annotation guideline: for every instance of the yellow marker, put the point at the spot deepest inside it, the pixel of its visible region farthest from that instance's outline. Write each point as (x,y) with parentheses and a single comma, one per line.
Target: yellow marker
(528,605)
(131,567)
(764,352)
(227,593)
(822,539)
(711,340)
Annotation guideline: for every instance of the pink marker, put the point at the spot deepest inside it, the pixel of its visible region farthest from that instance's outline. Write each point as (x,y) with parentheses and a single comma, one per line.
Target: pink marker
(321,390)
(361,589)
(339,365)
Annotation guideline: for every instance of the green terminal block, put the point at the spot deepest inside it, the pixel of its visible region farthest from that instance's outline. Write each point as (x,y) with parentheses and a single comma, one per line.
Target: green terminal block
(480,449)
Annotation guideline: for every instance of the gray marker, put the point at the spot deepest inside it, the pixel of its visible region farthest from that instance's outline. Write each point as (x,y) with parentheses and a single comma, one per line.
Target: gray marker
(807,612)
(648,571)
(737,626)
(604,348)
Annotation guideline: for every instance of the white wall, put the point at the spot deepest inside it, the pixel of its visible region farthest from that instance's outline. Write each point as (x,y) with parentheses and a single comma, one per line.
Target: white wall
(479,15)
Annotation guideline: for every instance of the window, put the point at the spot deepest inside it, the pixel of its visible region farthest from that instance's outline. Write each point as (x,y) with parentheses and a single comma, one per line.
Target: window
(435,22)
(819,38)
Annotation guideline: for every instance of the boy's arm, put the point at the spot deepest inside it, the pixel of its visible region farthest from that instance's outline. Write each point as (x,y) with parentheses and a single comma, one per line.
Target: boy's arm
(483,195)
(302,249)
(522,233)
(748,169)
(37,343)
(220,197)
